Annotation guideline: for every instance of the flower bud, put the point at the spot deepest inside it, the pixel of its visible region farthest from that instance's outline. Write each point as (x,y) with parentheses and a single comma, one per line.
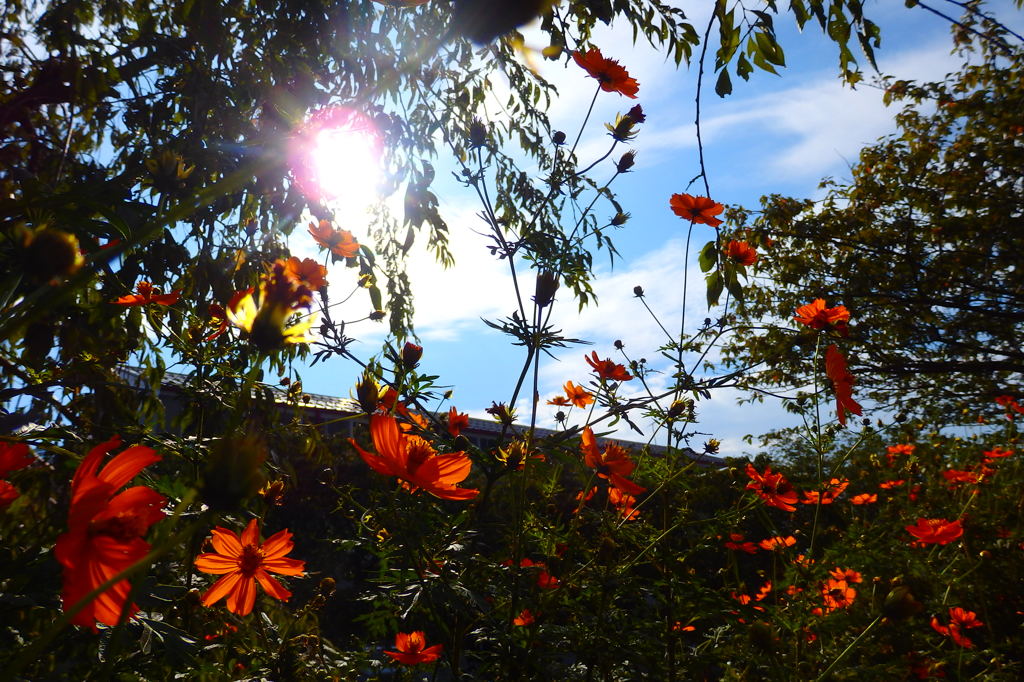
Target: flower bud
(477,134)
(547,285)
(619,219)
(626,161)
(638,291)
(558,137)
(411,354)
(368,394)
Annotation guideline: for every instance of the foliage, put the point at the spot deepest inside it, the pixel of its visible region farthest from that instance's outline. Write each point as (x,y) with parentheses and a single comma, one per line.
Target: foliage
(921,246)
(150,184)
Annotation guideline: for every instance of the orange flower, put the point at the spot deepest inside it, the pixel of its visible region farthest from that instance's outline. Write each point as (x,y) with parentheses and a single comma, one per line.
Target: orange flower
(105,530)
(606,369)
(613,464)
(148,294)
(842,383)
(816,316)
(624,502)
(412,649)
(837,594)
(244,561)
(737,543)
(777,542)
(833,490)
(894,451)
(218,320)
(456,422)
(525,617)
(996,453)
(264,316)
(889,485)
(560,401)
(935,531)
(578,395)
(741,252)
(340,243)
(959,619)
(774,489)
(306,272)
(414,461)
(13,456)
(847,574)
(864,498)
(696,209)
(612,76)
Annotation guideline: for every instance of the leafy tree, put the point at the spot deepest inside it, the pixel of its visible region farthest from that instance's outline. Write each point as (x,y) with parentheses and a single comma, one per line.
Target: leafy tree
(922,246)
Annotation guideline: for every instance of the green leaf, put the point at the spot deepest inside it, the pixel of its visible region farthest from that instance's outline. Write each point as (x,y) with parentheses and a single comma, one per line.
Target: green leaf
(715,286)
(723,86)
(708,256)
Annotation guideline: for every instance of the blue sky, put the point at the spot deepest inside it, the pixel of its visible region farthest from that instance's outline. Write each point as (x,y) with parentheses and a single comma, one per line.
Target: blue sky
(775,134)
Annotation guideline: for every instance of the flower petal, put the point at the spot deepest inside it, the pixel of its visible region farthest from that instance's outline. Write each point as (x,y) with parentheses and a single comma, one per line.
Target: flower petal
(272,586)
(221,588)
(217,564)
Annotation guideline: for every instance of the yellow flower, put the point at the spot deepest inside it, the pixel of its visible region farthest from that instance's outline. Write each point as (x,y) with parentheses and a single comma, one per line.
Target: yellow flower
(265,321)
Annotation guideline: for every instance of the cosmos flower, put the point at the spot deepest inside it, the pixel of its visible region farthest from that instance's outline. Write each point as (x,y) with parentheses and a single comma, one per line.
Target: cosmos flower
(412,649)
(738,543)
(612,76)
(578,395)
(696,209)
(613,464)
(833,489)
(935,531)
(412,460)
(741,252)
(244,561)
(340,243)
(842,383)
(773,488)
(456,422)
(816,316)
(606,369)
(105,530)
(864,498)
(147,294)
(960,619)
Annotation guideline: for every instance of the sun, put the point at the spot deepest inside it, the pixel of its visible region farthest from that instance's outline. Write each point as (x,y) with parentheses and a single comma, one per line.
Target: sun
(336,159)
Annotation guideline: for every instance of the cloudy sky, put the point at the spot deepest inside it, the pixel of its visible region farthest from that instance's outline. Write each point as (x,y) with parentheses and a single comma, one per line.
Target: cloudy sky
(775,134)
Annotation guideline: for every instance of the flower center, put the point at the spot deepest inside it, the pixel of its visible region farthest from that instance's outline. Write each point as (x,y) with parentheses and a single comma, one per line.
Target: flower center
(123,527)
(251,559)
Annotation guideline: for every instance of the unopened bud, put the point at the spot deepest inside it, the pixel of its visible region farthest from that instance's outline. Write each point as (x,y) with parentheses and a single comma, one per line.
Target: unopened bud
(626,161)
(558,137)
(411,354)
(638,291)
(477,134)
(368,394)
(619,219)
(547,285)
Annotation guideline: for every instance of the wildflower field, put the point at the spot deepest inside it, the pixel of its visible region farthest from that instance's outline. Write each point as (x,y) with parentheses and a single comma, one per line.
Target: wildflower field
(172,506)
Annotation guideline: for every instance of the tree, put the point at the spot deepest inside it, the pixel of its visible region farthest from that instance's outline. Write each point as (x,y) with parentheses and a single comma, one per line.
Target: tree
(922,246)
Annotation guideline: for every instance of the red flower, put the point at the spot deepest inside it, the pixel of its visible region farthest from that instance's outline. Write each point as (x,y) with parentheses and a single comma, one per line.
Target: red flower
(218,319)
(624,502)
(833,490)
(777,542)
(847,574)
(414,461)
(888,485)
(148,294)
(837,594)
(774,489)
(244,561)
(741,253)
(105,530)
(578,395)
(737,544)
(612,76)
(13,456)
(864,498)
(613,464)
(935,531)
(412,649)
(340,243)
(996,453)
(816,316)
(842,383)
(959,620)
(306,272)
(525,617)
(456,422)
(696,209)
(894,451)
(606,369)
